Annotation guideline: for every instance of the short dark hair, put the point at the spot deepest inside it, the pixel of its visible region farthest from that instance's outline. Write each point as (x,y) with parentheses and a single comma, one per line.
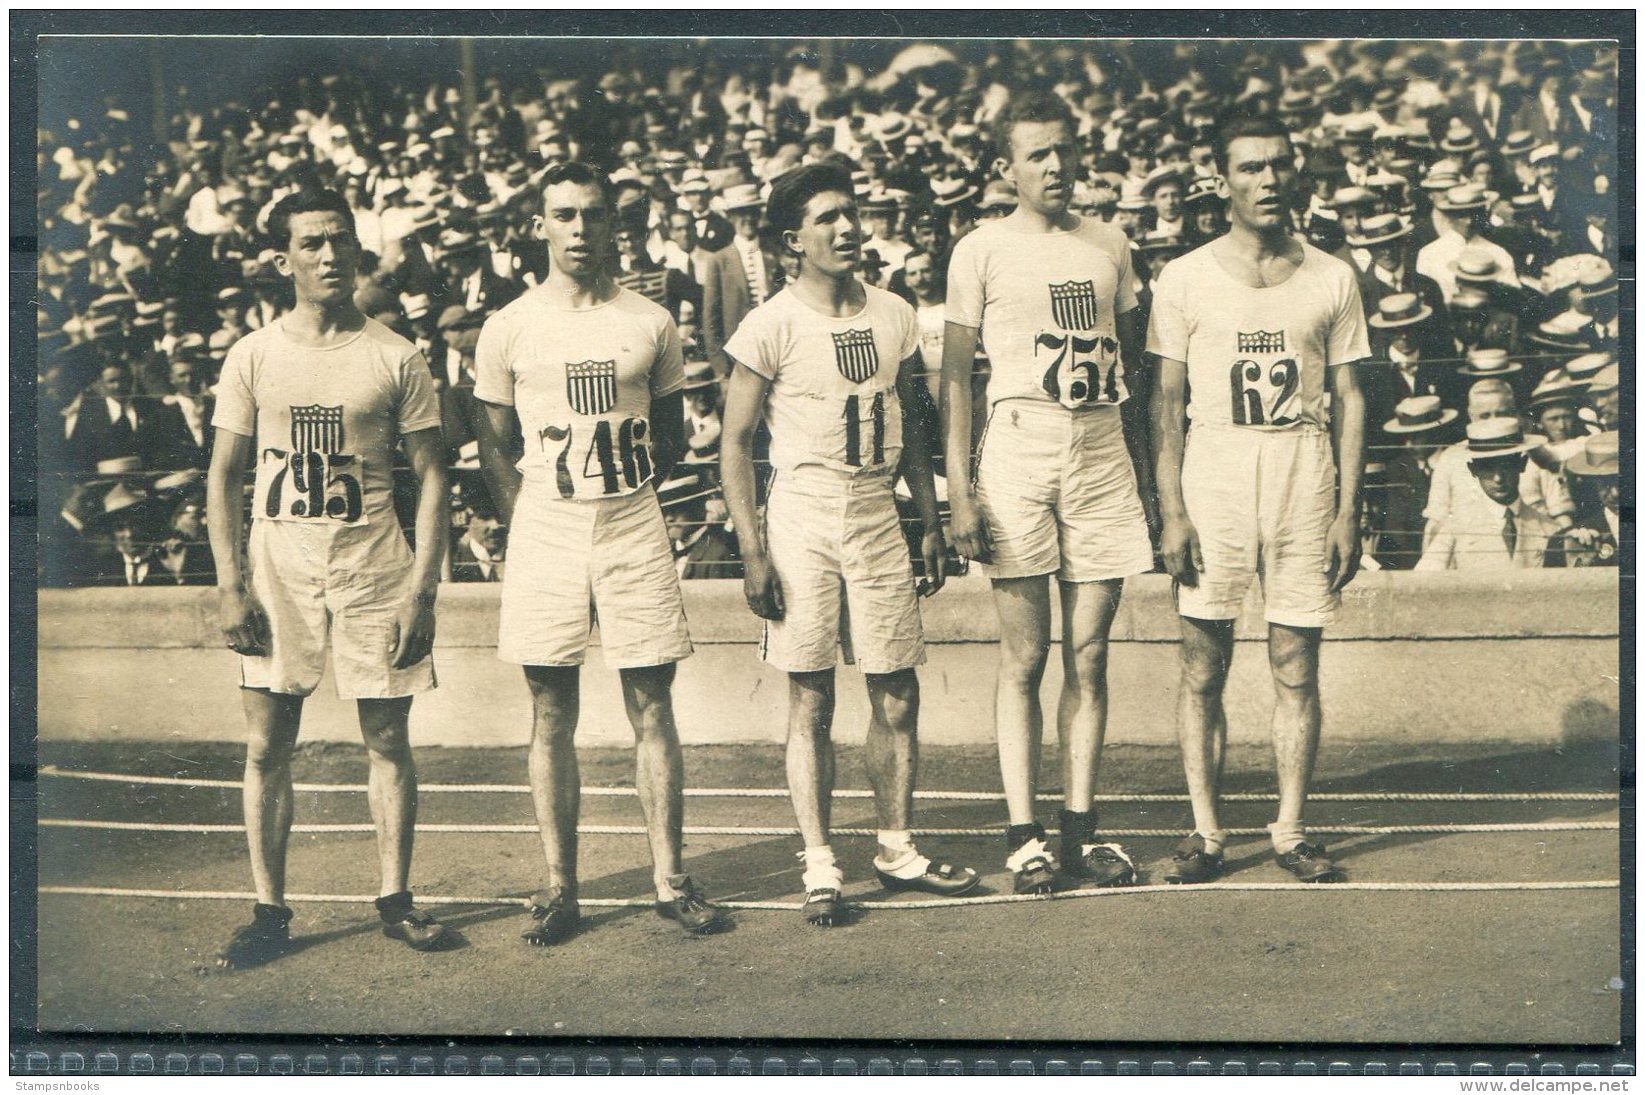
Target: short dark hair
(1245,125)
(305,201)
(785,209)
(1032,106)
(582,174)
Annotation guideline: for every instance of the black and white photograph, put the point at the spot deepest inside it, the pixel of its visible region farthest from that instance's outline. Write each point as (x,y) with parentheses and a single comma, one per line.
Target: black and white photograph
(913,541)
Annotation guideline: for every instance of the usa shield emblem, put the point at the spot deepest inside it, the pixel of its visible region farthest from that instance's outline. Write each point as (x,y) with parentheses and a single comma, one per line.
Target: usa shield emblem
(317,429)
(1074,305)
(591,386)
(856,355)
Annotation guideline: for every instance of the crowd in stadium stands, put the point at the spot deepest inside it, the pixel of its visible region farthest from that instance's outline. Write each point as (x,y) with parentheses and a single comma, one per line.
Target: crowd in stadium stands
(1470,186)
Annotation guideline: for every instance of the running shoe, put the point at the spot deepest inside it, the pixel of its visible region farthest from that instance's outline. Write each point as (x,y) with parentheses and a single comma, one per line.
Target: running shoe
(1192,864)
(554,917)
(1310,863)
(943,879)
(1099,865)
(690,910)
(412,926)
(1032,868)
(266,938)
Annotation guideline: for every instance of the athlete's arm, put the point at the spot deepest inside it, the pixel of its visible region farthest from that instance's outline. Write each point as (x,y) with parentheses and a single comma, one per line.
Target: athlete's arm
(915,470)
(744,403)
(495,435)
(414,622)
(959,351)
(667,419)
(1179,540)
(1342,544)
(1134,411)
(244,624)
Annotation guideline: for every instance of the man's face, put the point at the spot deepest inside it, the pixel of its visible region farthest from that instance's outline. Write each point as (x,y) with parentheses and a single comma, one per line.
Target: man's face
(320,257)
(1462,223)
(916,273)
(1168,201)
(1547,172)
(1405,341)
(125,539)
(189,521)
(1499,477)
(682,229)
(115,382)
(1351,217)
(553,152)
(1138,161)
(1204,157)
(628,244)
(746,222)
(1356,153)
(926,234)
(1126,221)
(1389,256)
(1484,405)
(702,401)
(1262,173)
(881,224)
(1558,422)
(830,235)
(1608,409)
(576,225)
(170,321)
(487,532)
(182,377)
(1042,165)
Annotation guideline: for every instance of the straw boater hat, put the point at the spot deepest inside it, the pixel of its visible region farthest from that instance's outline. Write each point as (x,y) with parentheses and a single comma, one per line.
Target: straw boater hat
(1418,414)
(1475,269)
(951,192)
(1597,282)
(1544,152)
(682,489)
(699,374)
(1608,379)
(1558,387)
(1458,138)
(1158,178)
(1203,190)
(1380,229)
(1601,455)
(1489,362)
(1466,198)
(1562,333)
(1400,310)
(998,194)
(1518,143)
(1583,369)
(1348,197)
(1492,438)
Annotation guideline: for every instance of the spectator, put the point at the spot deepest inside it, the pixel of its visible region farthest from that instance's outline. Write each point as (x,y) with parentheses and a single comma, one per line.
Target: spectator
(1490,527)
(481,553)
(703,548)
(1418,428)
(1596,537)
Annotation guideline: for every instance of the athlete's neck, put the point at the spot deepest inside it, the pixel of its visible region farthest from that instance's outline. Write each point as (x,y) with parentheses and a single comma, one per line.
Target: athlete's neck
(571,292)
(317,321)
(1026,219)
(1259,244)
(833,296)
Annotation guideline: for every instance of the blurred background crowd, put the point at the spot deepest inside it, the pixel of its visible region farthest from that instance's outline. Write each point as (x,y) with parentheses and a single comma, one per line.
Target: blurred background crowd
(1471,186)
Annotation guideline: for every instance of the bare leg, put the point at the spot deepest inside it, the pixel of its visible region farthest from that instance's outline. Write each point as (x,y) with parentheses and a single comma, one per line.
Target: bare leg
(391,786)
(1082,714)
(893,748)
(659,769)
(556,787)
(271,736)
(1293,656)
(1207,651)
(1024,606)
(811,752)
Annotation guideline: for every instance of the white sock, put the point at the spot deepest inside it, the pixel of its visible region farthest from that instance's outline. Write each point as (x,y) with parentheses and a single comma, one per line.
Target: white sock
(1286,835)
(1214,841)
(896,840)
(821,873)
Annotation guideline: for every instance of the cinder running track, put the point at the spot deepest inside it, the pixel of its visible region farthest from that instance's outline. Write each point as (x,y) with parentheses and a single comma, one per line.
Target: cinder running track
(1226,963)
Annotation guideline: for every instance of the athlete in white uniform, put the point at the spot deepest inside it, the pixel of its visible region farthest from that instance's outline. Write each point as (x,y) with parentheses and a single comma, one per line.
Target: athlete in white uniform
(592,374)
(830,363)
(1055,493)
(1250,330)
(318,401)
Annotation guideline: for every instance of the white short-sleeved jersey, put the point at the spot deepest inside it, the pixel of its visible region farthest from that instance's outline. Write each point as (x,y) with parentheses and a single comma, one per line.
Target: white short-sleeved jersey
(326,420)
(582,381)
(833,396)
(1257,357)
(1046,304)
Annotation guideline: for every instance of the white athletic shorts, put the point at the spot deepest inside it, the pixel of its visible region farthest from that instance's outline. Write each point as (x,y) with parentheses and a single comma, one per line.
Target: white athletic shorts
(1262,502)
(825,530)
(570,562)
(1059,494)
(343,584)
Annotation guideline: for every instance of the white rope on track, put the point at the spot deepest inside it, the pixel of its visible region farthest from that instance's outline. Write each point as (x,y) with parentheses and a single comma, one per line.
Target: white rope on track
(894,906)
(53,771)
(763,830)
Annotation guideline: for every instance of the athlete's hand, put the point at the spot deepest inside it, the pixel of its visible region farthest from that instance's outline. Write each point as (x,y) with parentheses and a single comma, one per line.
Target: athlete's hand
(244,623)
(1179,547)
(970,530)
(762,589)
(1342,552)
(932,552)
(413,638)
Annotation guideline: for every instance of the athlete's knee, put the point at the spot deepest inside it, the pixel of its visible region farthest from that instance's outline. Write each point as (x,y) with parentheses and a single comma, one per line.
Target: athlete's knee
(648,692)
(896,698)
(269,754)
(1085,663)
(1295,668)
(811,695)
(554,698)
(1022,662)
(1204,671)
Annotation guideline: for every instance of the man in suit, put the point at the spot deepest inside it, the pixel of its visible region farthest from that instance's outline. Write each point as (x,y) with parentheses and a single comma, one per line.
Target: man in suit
(1418,429)
(1563,209)
(1480,105)
(725,294)
(182,417)
(470,281)
(1401,335)
(703,546)
(713,230)
(1547,114)
(1386,238)
(1594,539)
(111,427)
(481,552)
(1490,526)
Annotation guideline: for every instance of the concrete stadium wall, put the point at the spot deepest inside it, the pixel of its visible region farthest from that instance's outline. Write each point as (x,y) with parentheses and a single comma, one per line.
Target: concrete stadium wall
(1527,656)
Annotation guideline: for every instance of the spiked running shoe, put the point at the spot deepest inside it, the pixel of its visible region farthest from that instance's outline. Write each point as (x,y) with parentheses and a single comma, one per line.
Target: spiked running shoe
(1192,864)
(943,879)
(1100,865)
(690,910)
(266,938)
(825,904)
(1032,868)
(1310,863)
(554,918)
(410,925)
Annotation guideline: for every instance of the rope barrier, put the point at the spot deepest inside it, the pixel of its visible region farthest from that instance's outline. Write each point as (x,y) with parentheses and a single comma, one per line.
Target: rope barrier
(893,906)
(55,772)
(773,830)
